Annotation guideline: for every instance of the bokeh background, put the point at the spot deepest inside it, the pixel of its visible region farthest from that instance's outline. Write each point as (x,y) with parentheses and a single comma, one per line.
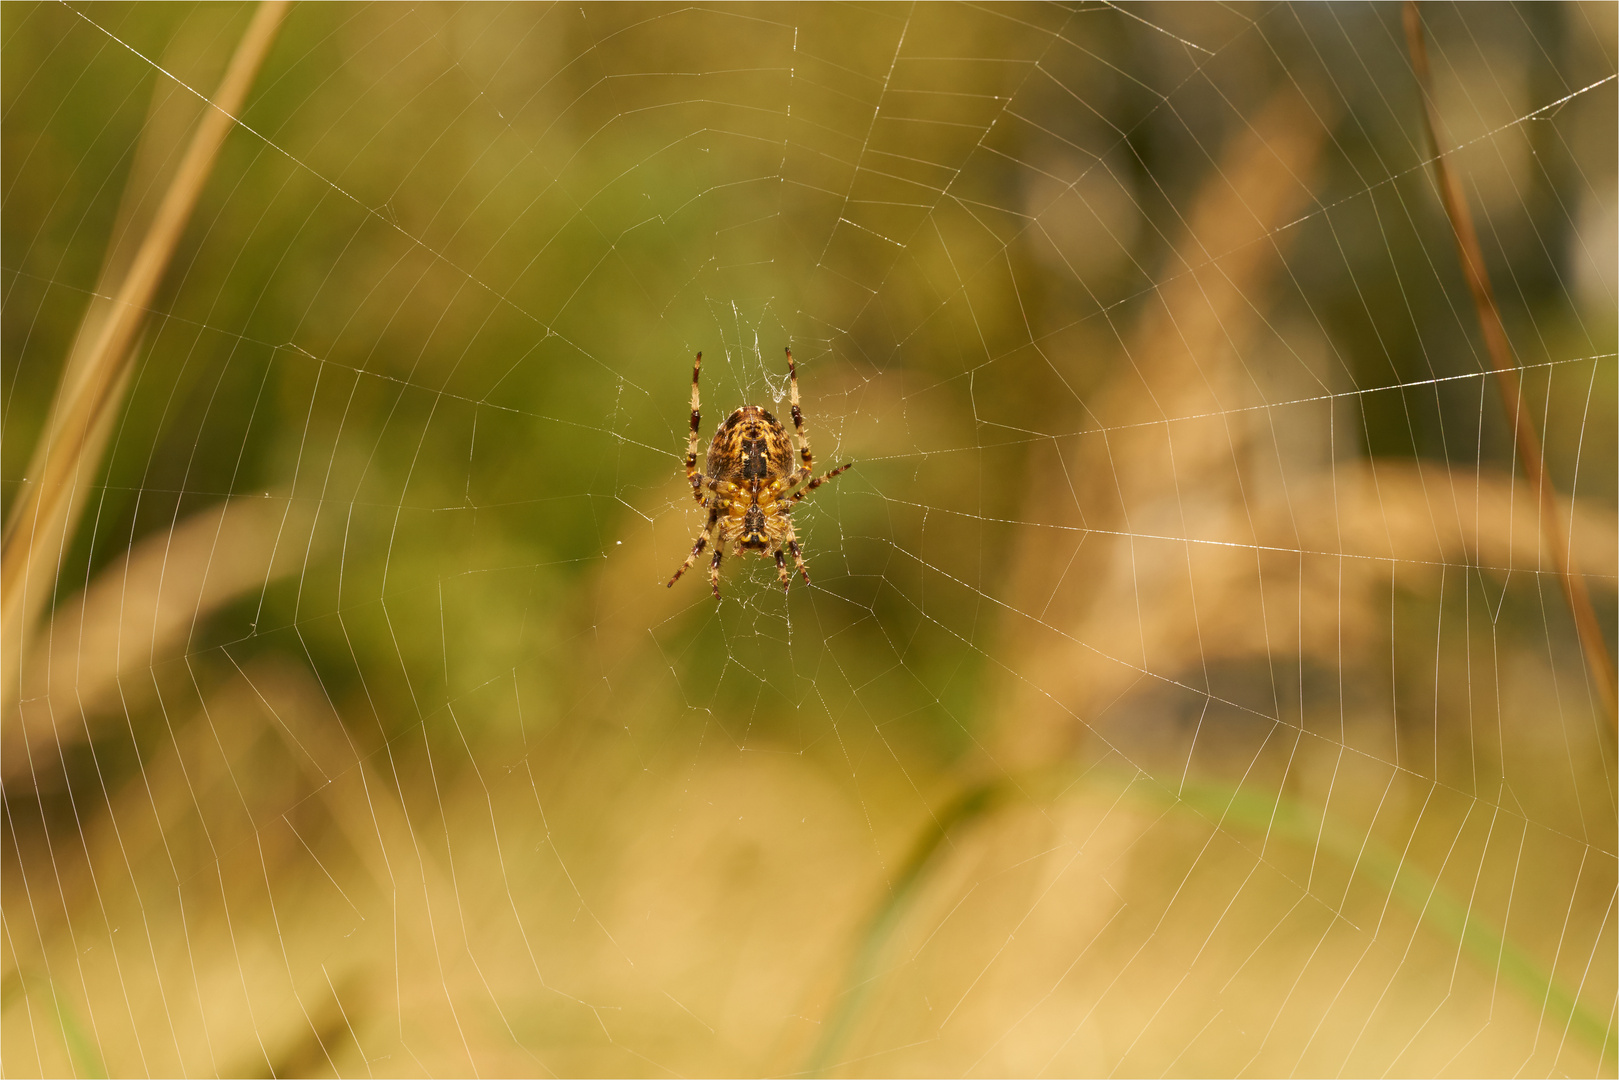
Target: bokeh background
(1183,688)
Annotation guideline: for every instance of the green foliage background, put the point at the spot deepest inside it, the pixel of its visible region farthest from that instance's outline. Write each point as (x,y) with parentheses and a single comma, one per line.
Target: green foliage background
(437,309)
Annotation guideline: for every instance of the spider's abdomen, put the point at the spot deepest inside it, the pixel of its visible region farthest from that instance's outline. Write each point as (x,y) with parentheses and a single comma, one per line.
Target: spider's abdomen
(751,447)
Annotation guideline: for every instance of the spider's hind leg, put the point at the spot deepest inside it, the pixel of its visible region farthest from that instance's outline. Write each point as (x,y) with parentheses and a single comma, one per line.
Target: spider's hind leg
(805,454)
(694,443)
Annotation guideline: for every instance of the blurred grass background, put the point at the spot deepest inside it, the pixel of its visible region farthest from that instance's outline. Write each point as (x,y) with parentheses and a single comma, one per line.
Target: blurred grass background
(1182,689)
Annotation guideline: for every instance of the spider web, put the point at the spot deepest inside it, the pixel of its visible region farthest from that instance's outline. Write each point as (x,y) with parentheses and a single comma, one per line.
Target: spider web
(1184,686)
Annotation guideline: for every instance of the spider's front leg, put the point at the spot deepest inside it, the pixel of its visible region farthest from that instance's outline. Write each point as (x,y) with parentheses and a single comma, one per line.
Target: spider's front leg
(729,530)
(785,536)
(714,567)
(697,548)
(791,539)
(780,527)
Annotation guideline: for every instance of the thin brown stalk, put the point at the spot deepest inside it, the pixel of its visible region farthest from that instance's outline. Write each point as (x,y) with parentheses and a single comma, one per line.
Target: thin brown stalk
(1525,438)
(27,561)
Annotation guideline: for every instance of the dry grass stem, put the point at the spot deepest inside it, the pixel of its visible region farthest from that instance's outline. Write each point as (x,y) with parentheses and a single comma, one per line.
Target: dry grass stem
(33,536)
(173,114)
(1525,438)
(139,612)
(1158,475)
(1146,716)
(170,119)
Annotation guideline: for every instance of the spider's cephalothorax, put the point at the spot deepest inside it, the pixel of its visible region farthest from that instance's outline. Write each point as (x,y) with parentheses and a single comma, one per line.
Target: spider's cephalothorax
(748,486)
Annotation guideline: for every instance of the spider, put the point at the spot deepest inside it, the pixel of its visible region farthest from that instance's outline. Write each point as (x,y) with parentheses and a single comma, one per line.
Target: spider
(746,487)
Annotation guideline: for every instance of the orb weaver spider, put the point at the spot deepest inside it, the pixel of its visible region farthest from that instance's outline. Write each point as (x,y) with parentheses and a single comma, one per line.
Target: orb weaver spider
(747,483)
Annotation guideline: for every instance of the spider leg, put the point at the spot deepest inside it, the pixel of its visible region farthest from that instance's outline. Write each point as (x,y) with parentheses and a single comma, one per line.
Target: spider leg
(696,549)
(714,567)
(781,571)
(805,454)
(789,539)
(798,557)
(819,480)
(806,467)
(695,442)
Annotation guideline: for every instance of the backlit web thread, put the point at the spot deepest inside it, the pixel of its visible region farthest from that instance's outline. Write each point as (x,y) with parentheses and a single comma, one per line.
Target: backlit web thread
(758,633)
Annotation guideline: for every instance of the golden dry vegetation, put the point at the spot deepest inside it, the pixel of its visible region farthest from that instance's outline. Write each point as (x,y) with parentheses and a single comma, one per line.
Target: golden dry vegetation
(1188,684)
